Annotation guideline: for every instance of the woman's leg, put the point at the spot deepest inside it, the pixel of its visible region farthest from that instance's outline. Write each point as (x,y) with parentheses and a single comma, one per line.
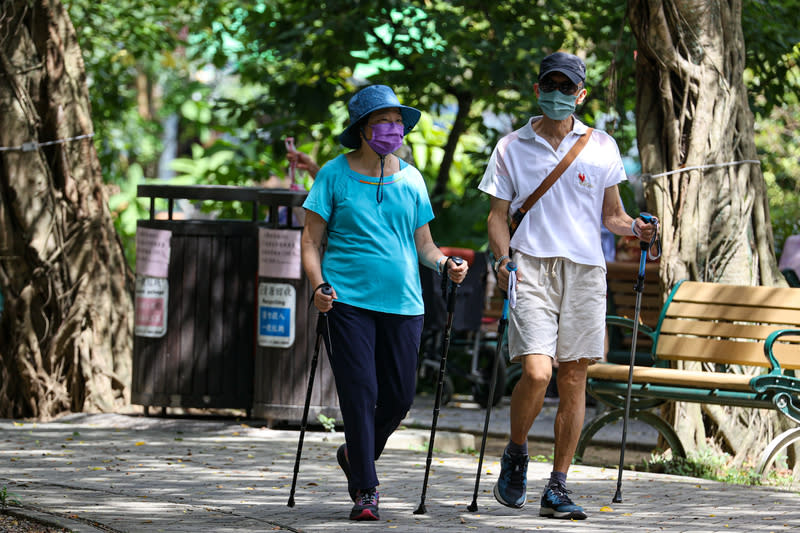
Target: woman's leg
(352,357)
(397,347)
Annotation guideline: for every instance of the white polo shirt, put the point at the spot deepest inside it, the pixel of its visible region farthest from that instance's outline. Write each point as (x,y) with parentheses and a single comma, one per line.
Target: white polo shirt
(566,220)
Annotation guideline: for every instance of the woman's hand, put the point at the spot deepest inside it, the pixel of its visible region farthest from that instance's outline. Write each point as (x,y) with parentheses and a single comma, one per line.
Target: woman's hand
(303,161)
(324,302)
(455,272)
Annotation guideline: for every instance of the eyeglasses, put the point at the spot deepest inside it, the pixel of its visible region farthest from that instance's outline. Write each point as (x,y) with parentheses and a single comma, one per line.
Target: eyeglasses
(549,85)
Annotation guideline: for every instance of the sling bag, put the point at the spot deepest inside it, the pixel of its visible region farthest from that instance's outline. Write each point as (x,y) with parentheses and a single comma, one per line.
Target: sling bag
(551,178)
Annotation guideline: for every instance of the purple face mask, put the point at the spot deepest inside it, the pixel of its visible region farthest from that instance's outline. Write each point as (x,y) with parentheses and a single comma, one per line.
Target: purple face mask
(386,137)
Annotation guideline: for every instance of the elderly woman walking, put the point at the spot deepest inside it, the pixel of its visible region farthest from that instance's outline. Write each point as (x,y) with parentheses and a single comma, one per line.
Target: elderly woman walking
(374,210)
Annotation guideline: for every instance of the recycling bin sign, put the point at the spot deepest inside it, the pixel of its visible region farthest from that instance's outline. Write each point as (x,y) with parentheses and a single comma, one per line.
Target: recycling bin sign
(276,314)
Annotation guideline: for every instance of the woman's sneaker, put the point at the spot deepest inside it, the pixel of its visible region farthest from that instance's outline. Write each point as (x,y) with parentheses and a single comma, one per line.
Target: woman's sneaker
(344,464)
(511,487)
(557,504)
(366,506)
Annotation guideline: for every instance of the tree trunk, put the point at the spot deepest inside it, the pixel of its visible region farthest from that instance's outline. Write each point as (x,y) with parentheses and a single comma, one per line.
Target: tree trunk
(438,195)
(66,332)
(692,111)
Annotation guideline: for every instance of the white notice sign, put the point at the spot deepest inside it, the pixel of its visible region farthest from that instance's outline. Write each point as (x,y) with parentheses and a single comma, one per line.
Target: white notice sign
(152,252)
(276,314)
(151,307)
(278,253)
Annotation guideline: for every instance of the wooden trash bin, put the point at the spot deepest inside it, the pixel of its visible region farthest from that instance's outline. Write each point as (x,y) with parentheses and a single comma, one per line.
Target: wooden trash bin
(286,322)
(194,342)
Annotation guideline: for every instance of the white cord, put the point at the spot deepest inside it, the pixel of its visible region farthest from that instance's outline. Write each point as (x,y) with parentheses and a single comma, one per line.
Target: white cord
(699,167)
(512,289)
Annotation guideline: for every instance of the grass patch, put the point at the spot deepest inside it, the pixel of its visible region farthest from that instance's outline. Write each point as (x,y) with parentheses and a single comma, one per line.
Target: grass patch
(714,465)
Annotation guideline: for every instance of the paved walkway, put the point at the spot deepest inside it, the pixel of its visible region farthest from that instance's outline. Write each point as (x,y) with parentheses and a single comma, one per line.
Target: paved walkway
(119,473)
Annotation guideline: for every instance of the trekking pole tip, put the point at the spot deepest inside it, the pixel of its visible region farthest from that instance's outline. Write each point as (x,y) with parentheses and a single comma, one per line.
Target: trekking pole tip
(472,507)
(290,503)
(617,497)
(420,509)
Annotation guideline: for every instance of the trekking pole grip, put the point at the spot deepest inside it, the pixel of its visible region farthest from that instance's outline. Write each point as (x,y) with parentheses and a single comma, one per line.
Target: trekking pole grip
(451,293)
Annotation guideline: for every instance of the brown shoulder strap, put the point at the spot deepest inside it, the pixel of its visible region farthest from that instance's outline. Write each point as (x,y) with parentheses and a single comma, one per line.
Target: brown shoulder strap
(556,173)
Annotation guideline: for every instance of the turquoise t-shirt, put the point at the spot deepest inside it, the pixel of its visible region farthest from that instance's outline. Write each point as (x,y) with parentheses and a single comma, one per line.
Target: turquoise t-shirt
(371,259)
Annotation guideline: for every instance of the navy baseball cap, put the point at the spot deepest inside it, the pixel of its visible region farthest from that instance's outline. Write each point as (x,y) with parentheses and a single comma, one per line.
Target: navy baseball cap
(567,64)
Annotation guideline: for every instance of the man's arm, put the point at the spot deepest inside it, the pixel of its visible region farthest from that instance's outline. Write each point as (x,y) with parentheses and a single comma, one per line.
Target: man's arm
(499,235)
(618,221)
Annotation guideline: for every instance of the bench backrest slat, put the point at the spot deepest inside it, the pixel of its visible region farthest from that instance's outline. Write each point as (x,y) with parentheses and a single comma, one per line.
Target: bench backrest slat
(725,352)
(716,311)
(727,324)
(703,328)
(767,297)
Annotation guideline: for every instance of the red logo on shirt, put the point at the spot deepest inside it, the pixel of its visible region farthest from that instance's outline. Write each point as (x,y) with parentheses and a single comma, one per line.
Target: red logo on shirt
(582,177)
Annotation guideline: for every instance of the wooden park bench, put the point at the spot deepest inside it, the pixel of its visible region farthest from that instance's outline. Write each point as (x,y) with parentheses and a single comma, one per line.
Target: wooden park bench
(724,328)
(621,298)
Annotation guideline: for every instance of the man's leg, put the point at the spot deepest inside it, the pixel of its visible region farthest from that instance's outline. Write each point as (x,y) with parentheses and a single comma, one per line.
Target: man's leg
(528,395)
(556,502)
(571,411)
(526,402)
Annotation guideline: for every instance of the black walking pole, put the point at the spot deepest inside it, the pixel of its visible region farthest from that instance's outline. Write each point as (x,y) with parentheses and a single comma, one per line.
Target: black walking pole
(326,289)
(449,292)
(639,287)
(501,328)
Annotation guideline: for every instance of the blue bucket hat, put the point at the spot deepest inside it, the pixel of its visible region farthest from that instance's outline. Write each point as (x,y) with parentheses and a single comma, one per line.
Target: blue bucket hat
(369,99)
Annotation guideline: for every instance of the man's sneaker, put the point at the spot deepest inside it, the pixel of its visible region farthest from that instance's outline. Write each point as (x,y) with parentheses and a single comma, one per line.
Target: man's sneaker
(510,489)
(366,506)
(344,464)
(556,504)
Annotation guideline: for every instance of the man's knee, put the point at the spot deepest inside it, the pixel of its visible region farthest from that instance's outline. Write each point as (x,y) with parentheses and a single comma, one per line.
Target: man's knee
(573,373)
(536,376)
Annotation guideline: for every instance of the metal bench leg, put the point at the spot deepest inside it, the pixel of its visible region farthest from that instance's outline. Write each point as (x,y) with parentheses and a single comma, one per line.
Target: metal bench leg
(774,448)
(654,421)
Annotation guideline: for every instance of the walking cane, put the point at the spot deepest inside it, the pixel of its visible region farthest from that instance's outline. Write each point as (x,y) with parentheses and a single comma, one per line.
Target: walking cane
(449,292)
(326,289)
(501,328)
(639,287)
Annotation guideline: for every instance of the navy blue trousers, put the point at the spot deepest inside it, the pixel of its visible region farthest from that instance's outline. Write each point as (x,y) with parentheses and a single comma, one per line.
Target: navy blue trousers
(374,361)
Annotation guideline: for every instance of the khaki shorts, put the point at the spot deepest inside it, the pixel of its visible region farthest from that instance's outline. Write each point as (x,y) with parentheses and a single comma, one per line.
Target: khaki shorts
(560,311)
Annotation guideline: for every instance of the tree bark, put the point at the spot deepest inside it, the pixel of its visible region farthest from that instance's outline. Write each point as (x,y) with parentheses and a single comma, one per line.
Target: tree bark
(66,332)
(692,111)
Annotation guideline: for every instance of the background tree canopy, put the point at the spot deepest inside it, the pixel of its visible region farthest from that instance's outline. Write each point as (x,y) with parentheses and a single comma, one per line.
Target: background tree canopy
(241,76)
(205,92)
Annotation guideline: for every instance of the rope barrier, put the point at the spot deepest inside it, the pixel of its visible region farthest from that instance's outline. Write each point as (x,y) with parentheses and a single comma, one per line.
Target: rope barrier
(30,146)
(700,167)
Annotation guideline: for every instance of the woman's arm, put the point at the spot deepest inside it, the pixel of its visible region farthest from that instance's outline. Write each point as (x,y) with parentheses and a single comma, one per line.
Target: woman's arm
(310,244)
(431,256)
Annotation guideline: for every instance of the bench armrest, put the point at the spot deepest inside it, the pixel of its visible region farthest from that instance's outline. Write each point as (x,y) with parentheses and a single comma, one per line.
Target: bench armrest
(627,323)
(770,341)
(614,320)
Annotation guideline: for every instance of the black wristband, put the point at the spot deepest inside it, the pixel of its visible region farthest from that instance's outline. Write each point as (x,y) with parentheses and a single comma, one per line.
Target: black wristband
(323,284)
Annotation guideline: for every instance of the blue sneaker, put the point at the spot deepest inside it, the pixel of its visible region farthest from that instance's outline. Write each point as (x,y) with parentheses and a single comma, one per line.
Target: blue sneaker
(556,504)
(510,489)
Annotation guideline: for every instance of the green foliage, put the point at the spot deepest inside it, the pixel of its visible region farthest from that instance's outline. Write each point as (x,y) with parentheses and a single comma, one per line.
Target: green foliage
(707,463)
(8,498)
(772,40)
(243,75)
(327,422)
(777,139)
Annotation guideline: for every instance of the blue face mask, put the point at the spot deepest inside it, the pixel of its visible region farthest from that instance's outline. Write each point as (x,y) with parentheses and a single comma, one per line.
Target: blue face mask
(557,105)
